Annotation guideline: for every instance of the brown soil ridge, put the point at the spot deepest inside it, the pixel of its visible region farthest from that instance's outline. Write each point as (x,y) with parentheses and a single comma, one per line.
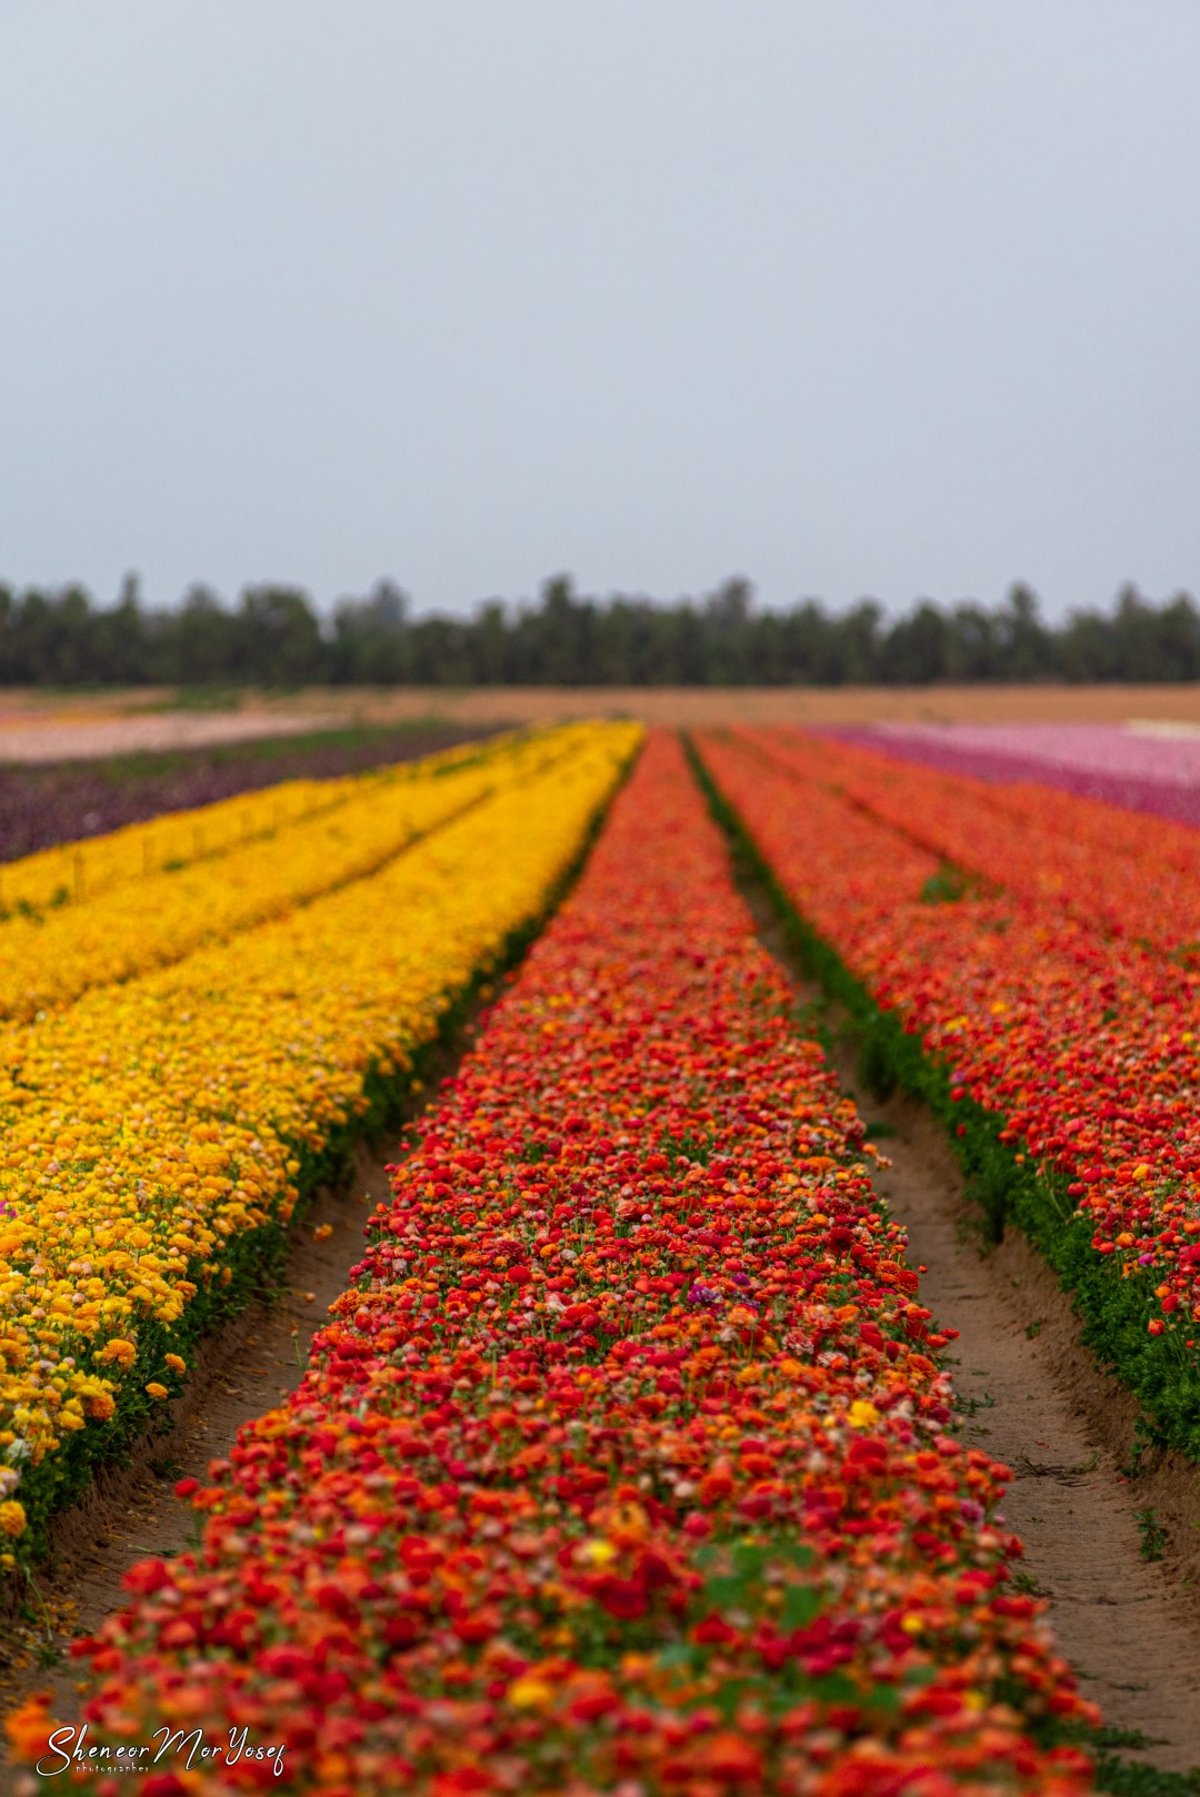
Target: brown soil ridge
(690,706)
(43,727)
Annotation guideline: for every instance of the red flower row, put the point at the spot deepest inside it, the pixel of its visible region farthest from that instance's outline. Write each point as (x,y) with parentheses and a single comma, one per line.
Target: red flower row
(1130,875)
(1045,989)
(625,1467)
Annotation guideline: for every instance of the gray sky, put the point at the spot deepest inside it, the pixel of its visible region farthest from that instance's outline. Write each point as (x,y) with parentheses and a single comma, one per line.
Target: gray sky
(870,296)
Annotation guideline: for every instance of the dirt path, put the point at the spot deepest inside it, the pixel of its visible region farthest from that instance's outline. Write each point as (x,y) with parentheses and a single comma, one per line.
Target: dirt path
(78,736)
(683,706)
(1033,1397)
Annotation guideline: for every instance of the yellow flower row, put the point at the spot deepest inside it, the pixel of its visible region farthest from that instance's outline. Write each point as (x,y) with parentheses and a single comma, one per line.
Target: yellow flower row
(148,1127)
(77,872)
(132,925)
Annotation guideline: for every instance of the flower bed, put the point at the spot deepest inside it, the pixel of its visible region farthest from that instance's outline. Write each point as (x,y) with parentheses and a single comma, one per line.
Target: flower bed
(625,1467)
(1153,769)
(1089,859)
(81,917)
(1065,1058)
(42,806)
(157,1134)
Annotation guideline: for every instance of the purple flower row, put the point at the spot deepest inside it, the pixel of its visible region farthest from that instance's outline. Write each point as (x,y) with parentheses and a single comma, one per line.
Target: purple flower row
(63,801)
(1152,771)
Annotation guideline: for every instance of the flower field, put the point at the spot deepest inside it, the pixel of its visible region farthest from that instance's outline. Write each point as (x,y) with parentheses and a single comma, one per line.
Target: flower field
(1077,856)
(1017,938)
(1151,766)
(160,1128)
(81,916)
(47,804)
(625,1464)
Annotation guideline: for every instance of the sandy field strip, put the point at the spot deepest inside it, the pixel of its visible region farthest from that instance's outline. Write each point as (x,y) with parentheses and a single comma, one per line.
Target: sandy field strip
(688,706)
(71,738)
(37,727)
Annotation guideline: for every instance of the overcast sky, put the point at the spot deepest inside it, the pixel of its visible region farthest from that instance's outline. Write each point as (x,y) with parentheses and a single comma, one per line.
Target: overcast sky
(851,297)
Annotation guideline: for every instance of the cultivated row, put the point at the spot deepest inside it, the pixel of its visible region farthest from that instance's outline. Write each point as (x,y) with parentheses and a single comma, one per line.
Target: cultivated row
(45,805)
(147,895)
(1126,875)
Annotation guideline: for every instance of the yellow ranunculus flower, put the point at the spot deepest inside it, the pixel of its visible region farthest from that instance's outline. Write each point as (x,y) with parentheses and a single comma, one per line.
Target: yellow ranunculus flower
(12,1518)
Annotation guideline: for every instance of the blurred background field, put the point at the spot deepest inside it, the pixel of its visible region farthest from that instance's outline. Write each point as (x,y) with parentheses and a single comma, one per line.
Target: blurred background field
(37,725)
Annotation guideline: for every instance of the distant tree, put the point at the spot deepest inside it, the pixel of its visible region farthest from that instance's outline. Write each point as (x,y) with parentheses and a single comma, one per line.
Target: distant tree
(860,650)
(972,650)
(916,649)
(440,652)
(274,637)
(117,640)
(727,620)
(1178,626)
(200,643)
(1088,649)
(370,643)
(492,660)
(1026,647)
(560,636)
(1152,643)
(280,639)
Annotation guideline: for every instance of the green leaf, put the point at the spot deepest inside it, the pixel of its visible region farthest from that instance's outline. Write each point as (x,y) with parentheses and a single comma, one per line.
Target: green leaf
(724,1590)
(800,1605)
(835,1687)
(749,1557)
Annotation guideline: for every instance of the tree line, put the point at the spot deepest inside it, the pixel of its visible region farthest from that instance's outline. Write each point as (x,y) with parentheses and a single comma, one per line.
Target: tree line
(274,636)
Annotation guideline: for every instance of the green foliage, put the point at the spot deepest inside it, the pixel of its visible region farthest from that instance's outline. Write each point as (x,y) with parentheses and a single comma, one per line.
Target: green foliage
(1127,1778)
(946,887)
(1153,1536)
(275,637)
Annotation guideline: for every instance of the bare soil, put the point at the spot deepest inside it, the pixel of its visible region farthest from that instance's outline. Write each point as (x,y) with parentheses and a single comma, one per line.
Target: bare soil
(691,706)
(85,736)
(1034,1397)
(50,727)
